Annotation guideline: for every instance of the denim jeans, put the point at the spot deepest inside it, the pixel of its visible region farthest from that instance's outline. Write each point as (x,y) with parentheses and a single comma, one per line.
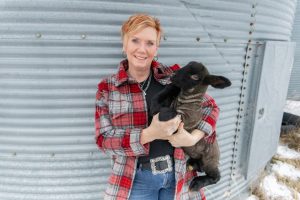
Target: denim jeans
(147,186)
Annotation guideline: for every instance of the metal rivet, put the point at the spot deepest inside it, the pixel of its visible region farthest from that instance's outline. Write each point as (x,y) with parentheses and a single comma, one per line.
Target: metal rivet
(250,32)
(225,39)
(38,35)
(251,24)
(83,36)
(249,41)
(165,38)
(198,39)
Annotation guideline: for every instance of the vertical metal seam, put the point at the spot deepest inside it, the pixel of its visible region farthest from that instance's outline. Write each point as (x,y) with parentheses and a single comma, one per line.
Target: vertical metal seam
(242,96)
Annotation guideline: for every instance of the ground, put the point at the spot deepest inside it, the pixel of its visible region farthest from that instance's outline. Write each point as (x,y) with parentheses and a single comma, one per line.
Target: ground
(281,178)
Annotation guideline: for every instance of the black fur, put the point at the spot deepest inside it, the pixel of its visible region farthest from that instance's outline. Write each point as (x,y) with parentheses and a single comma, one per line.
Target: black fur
(183,95)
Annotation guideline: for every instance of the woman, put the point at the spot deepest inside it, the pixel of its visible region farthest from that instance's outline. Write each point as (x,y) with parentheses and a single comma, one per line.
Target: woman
(147,161)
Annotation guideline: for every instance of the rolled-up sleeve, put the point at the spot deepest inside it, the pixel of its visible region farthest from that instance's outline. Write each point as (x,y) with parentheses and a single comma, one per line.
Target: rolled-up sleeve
(210,114)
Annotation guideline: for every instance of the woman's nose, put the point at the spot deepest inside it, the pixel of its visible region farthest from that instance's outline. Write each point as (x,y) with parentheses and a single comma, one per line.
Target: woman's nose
(142,47)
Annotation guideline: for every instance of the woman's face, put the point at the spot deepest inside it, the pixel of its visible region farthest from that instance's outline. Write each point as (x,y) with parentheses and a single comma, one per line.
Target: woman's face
(141,48)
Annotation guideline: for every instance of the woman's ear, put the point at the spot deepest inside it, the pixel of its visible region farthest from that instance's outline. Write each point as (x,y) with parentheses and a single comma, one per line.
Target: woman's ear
(124,48)
(217,81)
(156,50)
(124,43)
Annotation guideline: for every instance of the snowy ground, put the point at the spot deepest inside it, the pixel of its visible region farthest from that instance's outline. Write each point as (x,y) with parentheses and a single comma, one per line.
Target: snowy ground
(292,107)
(270,186)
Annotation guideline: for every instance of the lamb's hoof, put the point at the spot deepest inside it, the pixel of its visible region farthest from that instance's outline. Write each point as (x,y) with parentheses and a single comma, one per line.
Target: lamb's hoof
(196,184)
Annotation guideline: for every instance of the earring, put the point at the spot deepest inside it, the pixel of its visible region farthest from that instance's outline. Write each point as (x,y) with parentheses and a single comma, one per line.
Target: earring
(155,58)
(124,55)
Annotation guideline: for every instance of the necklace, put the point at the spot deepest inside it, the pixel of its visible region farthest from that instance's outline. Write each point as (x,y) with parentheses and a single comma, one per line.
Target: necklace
(148,80)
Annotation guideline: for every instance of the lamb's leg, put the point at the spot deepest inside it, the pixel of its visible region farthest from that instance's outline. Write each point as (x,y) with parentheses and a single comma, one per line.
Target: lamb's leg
(194,164)
(166,113)
(212,177)
(164,98)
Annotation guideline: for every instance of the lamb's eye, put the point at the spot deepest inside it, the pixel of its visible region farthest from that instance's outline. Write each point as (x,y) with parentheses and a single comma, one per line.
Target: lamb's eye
(195,77)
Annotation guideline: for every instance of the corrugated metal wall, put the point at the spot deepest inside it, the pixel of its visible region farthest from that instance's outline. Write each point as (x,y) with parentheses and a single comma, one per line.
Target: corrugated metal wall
(53,54)
(294,87)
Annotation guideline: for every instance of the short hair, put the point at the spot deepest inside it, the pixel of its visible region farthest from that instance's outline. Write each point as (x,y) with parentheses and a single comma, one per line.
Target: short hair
(138,22)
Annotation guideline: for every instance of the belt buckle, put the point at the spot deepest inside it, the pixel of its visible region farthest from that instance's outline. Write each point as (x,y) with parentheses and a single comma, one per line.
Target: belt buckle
(153,161)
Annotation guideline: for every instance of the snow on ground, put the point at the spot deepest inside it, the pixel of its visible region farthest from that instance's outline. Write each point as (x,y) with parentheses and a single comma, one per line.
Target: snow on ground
(292,107)
(286,170)
(275,190)
(253,197)
(285,152)
(271,187)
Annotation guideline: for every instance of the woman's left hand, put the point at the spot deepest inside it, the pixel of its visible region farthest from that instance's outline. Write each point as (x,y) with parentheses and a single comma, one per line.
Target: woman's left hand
(182,138)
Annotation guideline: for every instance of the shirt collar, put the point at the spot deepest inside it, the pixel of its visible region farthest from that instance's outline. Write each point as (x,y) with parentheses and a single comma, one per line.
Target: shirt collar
(123,77)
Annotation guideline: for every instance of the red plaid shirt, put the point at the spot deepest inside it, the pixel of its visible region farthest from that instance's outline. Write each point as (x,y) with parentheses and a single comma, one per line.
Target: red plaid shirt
(121,114)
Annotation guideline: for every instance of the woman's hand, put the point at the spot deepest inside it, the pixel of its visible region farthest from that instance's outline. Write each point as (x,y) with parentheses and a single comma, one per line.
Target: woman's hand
(182,138)
(160,130)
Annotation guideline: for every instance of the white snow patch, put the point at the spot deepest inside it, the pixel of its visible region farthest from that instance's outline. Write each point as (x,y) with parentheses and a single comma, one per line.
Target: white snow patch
(285,152)
(274,190)
(252,197)
(287,170)
(292,107)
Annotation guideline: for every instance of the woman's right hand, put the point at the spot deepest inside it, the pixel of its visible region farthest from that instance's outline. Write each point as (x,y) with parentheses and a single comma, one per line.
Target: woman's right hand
(160,129)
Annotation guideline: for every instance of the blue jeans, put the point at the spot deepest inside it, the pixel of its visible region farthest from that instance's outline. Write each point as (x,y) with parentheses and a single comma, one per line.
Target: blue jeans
(147,186)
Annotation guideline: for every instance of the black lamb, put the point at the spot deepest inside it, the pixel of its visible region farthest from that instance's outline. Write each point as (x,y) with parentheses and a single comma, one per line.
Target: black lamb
(183,96)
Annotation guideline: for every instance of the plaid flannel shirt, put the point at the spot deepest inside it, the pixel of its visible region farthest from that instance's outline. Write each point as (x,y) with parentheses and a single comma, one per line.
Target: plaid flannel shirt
(121,114)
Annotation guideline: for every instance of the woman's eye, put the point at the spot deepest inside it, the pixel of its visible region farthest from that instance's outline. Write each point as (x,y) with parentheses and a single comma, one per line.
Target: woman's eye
(135,40)
(150,44)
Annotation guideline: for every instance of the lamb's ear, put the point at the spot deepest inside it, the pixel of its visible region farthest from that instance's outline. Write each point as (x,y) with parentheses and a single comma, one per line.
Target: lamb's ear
(217,81)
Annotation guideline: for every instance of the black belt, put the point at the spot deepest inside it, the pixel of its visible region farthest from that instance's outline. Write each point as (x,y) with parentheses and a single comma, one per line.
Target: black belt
(158,165)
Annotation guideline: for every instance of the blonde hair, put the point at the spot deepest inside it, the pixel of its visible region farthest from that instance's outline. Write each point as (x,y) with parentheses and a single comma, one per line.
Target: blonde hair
(138,22)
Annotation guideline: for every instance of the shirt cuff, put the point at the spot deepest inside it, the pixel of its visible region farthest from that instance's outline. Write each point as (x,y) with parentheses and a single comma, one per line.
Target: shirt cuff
(135,143)
(206,128)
